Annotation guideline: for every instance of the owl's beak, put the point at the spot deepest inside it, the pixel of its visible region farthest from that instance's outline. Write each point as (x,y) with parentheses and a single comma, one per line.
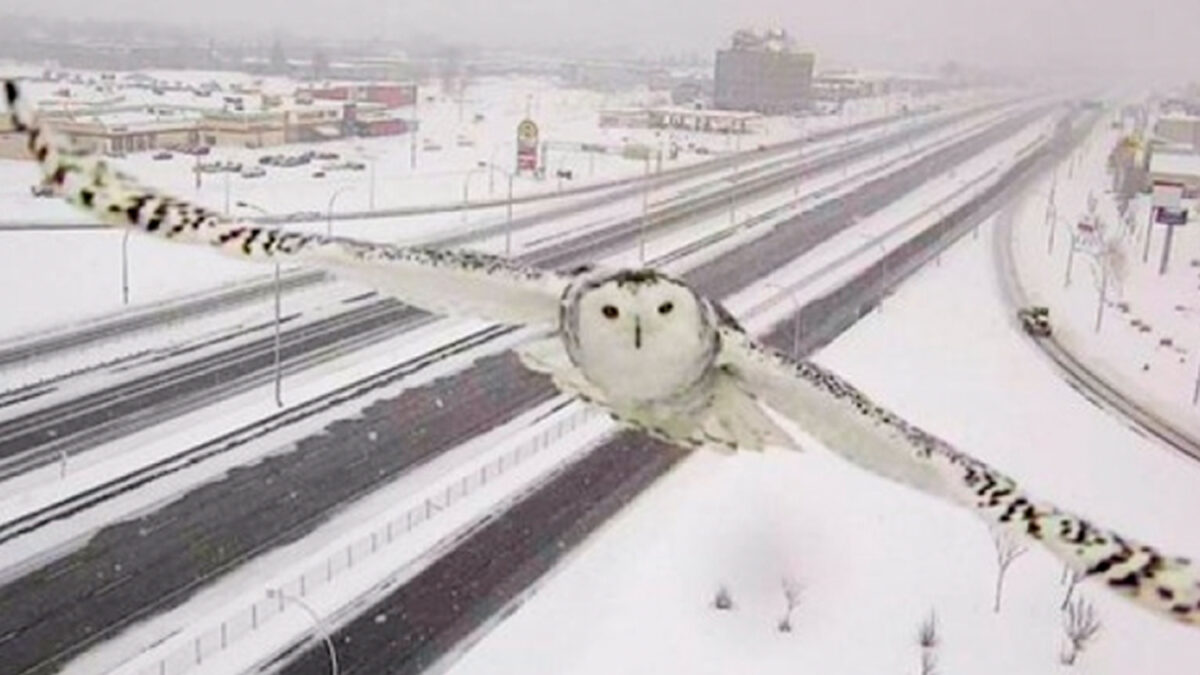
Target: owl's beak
(637,333)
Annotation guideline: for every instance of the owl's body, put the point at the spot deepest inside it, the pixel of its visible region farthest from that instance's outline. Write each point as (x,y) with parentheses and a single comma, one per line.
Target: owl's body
(645,346)
(652,352)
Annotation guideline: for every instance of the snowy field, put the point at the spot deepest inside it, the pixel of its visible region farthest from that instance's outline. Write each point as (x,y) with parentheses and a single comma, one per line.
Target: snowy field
(216,601)
(1148,343)
(86,265)
(872,559)
(475,130)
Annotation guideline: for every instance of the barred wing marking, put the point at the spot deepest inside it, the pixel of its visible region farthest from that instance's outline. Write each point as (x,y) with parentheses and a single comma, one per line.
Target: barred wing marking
(441,281)
(878,440)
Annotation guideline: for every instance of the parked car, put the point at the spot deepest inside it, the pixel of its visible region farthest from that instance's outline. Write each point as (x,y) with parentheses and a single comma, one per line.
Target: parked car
(1035,320)
(254,172)
(356,166)
(41,190)
(429,145)
(163,155)
(318,174)
(326,155)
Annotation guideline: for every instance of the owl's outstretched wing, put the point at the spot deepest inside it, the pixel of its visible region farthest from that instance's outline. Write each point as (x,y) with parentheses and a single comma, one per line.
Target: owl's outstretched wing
(876,439)
(460,283)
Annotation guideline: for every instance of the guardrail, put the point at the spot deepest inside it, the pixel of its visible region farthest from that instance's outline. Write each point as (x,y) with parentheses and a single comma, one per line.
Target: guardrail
(191,653)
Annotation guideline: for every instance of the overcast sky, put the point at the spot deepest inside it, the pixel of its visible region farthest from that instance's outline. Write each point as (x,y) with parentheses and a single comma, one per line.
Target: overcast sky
(1103,35)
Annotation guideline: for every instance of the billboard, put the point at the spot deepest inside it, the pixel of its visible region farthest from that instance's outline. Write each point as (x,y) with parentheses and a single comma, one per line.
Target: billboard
(1171,216)
(527,146)
(1167,195)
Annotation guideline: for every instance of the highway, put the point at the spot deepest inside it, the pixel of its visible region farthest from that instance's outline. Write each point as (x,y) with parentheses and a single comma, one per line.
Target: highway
(1090,385)
(748,164)
(485,575)
(54,612)
(42,437)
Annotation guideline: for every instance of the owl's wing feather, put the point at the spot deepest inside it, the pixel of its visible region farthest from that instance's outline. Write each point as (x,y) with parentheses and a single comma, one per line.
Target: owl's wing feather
(441,281)
(874,438)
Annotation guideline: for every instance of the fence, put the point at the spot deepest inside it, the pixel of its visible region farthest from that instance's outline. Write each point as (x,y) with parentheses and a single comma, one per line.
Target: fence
(190,656)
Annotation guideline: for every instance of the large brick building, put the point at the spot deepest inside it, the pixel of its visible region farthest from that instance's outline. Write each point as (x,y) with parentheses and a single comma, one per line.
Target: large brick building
(763,73)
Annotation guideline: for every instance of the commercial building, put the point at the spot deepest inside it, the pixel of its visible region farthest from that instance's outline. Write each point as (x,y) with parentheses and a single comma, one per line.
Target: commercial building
(1178,129)
(122,128)
(684,119)
(1174,167)
(390,95)
(763,73)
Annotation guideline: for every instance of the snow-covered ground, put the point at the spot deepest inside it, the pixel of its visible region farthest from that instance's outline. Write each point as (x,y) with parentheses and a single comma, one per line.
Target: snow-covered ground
(873,559)
(1148,345)
(217,599)
(564,115)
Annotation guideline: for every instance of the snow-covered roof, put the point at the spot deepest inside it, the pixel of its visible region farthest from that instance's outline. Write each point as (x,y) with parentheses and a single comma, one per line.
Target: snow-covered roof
(680,110)
(1175,163)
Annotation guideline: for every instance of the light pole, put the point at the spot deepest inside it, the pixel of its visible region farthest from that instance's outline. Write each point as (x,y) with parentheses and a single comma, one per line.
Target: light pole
(278,320)
(320,625)
(125,267)
(795,318)
(467,192)
(508,206)
(645,213)
(329,211)
(371,188)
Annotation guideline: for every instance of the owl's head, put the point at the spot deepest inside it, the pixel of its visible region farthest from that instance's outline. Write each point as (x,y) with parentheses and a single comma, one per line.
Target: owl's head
(640,334)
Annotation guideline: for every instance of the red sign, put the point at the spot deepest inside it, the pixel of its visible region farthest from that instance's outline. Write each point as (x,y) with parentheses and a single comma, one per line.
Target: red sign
(527,146)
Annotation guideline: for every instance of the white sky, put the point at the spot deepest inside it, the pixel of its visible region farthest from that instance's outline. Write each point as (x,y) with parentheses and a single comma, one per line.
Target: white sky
(1098,35)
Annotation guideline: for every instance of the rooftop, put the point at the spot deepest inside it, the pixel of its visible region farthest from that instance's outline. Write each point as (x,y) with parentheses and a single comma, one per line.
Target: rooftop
(1185,164)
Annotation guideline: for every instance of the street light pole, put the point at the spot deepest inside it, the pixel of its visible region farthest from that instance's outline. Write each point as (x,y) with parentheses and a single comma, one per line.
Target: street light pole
(316,618)
(371,193)
(278,319)
(645,213)
(508,219)
(329,213)
(125,267)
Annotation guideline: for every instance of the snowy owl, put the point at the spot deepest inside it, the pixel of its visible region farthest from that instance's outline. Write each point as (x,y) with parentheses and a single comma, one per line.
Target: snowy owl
(650,350)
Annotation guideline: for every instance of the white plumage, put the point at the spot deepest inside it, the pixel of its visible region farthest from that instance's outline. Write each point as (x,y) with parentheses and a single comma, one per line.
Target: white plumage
(656,354)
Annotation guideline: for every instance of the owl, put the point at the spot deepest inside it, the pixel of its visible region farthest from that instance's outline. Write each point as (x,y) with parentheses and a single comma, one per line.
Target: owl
(651,351)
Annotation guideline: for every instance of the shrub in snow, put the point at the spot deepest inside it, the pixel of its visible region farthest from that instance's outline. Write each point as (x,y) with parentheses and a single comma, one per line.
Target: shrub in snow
(1080,624)
(1008,549)
(927,638)
(791,600)
(723,600)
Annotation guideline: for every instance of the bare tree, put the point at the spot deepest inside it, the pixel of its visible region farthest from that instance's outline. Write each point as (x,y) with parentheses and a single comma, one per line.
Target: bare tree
(1008,549)
(722,600)
(791,598)
(927,638)
(1080,624)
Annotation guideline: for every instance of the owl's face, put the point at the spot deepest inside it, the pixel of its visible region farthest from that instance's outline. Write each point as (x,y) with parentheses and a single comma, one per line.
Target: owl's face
(640,335)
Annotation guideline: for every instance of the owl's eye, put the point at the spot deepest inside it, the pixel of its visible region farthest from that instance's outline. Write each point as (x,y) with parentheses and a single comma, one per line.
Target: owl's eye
(610,312)
(666,307)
